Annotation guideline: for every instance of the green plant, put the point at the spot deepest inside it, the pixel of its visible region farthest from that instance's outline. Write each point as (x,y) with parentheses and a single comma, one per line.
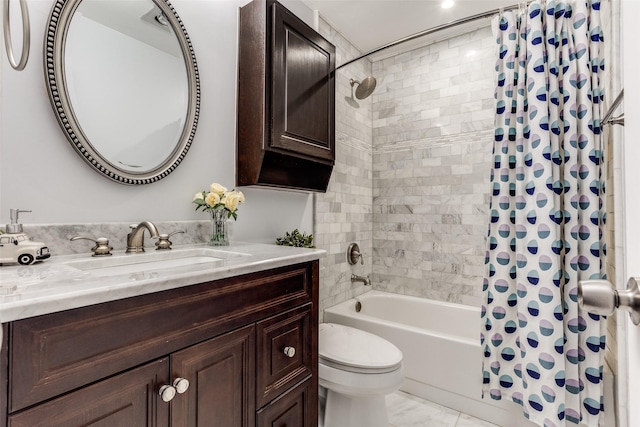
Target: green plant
(295,238)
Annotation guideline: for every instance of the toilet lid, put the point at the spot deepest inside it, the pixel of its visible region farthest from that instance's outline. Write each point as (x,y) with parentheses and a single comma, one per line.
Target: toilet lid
(354,348)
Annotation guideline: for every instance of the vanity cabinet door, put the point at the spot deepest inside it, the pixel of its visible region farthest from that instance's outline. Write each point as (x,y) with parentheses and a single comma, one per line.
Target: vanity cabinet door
(221,375)
(292,409)
(126,400)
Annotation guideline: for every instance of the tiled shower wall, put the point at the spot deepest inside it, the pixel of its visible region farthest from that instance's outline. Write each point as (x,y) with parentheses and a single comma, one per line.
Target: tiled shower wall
(343,214)
(411,179)
(432,141)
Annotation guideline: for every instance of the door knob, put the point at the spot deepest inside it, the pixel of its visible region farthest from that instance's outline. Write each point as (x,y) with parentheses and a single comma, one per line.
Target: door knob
(181,385)
(290,351)
(600,297)
(167,393)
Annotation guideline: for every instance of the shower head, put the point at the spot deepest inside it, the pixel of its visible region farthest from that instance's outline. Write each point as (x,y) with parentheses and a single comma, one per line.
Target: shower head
(365,87)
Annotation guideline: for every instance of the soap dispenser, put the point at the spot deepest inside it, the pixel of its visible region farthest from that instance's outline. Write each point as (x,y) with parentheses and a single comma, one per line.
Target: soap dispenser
(16,247)
(15,226)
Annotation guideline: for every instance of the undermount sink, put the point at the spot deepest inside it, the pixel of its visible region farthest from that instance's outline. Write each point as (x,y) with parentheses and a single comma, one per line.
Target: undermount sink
(176,259)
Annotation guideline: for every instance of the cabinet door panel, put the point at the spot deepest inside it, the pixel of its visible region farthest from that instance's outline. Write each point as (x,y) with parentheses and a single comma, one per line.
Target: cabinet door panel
(292,409)
(303,88)
(221,375)
(127,400)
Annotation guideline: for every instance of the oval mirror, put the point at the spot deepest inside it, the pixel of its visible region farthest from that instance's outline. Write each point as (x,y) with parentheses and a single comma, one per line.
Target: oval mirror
(123,81)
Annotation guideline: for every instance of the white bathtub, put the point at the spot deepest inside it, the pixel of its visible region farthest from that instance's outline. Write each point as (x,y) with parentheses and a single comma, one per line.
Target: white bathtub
(440,343)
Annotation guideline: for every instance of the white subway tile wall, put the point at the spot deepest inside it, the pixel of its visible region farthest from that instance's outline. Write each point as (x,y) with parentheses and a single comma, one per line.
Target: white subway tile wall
(411,179)
(344,213)
(432,142)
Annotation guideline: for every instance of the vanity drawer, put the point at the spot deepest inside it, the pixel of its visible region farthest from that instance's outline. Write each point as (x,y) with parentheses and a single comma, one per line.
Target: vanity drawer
(284,341)
(56,353)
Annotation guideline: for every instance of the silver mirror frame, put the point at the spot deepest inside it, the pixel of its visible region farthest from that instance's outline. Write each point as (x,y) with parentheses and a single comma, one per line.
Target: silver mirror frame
(54,47)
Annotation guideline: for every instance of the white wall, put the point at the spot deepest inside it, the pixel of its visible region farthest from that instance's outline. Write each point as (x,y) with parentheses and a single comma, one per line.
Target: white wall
(40,171)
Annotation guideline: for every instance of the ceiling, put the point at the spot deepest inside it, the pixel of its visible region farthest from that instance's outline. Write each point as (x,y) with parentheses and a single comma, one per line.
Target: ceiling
(369,24)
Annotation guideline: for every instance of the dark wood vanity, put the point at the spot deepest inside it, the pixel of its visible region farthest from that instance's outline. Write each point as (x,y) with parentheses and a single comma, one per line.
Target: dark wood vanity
(247,345)
(286,100)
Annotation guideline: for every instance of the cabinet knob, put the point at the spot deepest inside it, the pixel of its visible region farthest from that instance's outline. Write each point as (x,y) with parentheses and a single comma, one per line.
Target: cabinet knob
(167,393)
(181,385)
(289,351)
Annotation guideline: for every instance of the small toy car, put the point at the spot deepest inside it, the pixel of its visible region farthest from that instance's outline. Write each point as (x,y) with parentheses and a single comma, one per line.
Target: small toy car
(19,248)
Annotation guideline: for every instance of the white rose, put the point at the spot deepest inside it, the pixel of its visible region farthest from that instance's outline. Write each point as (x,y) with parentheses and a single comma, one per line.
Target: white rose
(212,199)
(240,197)
(198,196)
(231,201)
(218,189)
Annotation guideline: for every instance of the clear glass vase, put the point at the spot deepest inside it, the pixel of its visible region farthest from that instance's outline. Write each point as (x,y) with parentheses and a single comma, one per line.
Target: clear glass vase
(219,235)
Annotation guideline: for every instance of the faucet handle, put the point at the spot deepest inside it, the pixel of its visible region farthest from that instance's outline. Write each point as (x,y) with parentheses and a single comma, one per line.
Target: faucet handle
(100,249)
(353,253)
(164,242)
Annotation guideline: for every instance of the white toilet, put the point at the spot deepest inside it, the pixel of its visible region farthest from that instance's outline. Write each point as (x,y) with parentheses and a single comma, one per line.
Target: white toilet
(357,370)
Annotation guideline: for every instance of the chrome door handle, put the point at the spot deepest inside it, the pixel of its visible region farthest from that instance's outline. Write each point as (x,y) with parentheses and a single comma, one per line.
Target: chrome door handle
(601,297)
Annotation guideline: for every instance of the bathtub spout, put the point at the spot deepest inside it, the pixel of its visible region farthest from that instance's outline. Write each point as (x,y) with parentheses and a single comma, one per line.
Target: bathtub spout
(363,279)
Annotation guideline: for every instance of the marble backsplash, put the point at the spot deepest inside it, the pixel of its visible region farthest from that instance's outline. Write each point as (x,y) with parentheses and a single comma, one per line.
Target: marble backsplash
(56,236)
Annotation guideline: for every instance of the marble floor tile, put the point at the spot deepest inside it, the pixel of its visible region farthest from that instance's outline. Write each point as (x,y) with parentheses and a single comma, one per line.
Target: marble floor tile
(406,410)
(469,421)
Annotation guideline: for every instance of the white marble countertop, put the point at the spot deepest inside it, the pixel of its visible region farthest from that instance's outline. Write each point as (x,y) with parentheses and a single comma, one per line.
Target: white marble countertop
(55,285)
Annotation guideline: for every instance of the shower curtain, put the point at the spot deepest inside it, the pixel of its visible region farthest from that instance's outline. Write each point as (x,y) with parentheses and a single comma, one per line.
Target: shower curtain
(546,216)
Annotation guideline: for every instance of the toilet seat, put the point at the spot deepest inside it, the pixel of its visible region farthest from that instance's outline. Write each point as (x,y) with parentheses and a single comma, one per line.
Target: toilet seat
(353,350)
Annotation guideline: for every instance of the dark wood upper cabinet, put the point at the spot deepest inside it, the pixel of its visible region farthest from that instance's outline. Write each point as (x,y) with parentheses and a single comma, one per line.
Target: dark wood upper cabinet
(286,100)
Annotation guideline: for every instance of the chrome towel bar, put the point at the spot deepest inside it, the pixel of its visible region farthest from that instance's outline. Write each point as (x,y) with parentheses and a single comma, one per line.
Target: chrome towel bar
(607,119)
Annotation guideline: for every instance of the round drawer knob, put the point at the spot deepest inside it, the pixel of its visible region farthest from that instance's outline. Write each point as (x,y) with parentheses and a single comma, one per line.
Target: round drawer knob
(181,385)
(167,393)
(289,351)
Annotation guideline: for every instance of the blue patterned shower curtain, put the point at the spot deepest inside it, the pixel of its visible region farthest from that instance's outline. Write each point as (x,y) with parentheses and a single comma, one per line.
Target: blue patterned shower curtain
(545,234)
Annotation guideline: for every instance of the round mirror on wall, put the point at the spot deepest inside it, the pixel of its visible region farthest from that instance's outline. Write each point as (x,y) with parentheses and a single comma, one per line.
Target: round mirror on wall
(123,82)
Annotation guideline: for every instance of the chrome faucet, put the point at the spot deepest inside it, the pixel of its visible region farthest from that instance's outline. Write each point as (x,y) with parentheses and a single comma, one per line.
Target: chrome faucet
(135,239)
(363,279)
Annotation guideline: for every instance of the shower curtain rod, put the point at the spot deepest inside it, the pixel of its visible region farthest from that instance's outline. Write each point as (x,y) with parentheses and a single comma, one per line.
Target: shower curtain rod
(432,30)
(614,120)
